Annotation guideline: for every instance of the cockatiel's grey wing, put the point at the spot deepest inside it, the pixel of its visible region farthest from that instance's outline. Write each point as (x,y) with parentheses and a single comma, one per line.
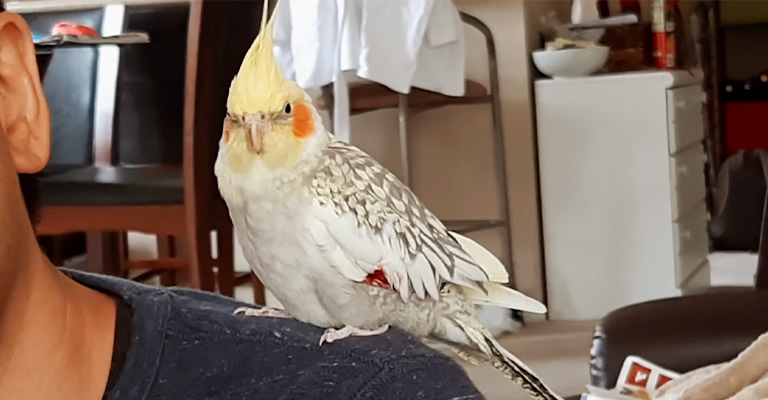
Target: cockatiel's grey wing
(366,220)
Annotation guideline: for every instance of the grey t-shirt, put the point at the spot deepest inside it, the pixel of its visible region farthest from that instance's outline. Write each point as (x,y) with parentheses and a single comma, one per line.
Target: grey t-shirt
(186,344)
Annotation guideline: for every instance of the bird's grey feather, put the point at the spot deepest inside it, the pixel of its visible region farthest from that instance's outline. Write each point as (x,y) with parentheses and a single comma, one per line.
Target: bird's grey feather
(350,181)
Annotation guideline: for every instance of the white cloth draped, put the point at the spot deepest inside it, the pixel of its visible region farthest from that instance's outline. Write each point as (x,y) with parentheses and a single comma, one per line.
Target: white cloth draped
(398,43)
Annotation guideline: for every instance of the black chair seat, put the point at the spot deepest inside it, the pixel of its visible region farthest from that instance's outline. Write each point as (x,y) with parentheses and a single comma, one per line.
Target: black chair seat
(58,169)
(113,186)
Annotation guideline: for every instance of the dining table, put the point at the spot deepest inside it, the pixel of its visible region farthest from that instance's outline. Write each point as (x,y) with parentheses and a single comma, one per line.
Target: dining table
(45,48)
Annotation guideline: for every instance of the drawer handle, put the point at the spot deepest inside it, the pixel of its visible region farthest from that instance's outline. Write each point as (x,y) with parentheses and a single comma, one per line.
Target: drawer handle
(685,234)
(682,170)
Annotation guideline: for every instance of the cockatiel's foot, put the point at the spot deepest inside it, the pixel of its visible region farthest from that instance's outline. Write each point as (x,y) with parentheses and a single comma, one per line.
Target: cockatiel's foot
(332,334)
(262,312)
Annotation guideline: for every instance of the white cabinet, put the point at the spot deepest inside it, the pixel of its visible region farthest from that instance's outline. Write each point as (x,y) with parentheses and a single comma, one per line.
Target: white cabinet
(621,169)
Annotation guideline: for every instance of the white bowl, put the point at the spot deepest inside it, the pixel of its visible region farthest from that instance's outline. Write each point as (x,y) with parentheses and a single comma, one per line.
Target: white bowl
(571,63)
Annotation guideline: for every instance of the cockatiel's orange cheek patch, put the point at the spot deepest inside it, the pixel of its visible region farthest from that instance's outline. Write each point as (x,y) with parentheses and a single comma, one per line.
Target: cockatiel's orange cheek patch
(303,121)
(227,128)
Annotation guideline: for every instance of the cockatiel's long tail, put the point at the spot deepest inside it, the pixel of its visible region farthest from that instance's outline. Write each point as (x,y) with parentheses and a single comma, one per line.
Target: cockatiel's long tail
(516,371)
(498,295)
(509,365)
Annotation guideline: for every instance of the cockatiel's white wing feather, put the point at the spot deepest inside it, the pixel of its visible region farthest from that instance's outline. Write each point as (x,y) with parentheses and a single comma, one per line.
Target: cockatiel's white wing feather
(499,295)
(492,266)
(366,219)
(495,294)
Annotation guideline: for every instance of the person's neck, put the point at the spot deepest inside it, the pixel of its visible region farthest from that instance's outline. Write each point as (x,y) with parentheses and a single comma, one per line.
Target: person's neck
(56,336)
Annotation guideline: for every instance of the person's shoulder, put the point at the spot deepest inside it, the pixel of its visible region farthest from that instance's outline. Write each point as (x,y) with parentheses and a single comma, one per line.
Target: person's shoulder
(286,359)
(201,314)
(208,352)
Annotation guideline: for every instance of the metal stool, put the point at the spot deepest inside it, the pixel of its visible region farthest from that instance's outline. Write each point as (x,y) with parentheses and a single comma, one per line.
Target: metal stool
(371,96)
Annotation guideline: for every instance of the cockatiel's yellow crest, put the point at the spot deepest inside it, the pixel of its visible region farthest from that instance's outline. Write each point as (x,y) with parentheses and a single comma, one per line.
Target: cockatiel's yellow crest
(260,85)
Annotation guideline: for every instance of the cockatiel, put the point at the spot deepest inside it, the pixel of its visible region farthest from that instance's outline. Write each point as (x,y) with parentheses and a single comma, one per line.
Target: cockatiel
(338,239)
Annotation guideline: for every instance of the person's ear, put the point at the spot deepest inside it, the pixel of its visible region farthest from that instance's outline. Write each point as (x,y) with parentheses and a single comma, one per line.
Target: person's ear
(24,113)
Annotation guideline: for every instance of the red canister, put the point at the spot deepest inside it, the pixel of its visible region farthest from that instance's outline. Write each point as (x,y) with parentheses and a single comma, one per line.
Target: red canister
(663,27)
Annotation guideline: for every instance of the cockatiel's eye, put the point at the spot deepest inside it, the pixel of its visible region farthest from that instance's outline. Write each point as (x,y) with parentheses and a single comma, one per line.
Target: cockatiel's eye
(288,109)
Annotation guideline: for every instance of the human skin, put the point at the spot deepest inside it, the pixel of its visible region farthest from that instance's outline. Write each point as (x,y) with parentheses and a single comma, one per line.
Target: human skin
(56,336)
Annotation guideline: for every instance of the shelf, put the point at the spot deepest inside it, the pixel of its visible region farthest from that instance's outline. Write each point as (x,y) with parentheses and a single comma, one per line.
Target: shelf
(468,226)
(41,6)
(371,96)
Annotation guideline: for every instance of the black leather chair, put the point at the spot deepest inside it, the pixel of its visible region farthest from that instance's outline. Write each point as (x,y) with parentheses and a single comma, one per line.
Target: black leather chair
(117,144)
(71,126)
(69,85)
(684,333)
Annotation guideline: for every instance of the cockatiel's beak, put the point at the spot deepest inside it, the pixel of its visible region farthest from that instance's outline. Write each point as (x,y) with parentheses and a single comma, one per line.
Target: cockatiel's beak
(257,125)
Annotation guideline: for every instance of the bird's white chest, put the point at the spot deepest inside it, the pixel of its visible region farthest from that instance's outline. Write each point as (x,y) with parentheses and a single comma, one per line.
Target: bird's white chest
(272,231)
(271,227)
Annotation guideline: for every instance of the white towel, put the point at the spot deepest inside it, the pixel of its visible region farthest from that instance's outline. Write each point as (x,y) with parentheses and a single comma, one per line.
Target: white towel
(398,43)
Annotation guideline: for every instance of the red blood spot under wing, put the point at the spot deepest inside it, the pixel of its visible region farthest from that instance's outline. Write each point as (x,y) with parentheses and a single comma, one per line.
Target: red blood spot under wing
(377,278)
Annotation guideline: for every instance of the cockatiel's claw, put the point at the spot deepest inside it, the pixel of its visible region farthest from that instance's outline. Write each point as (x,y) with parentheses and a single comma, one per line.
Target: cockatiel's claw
(332,334)
(262,312)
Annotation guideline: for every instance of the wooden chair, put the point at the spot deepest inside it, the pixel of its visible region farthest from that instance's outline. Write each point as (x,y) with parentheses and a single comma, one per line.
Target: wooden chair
(86,187)
(72,118)
(177,200)
(214,55)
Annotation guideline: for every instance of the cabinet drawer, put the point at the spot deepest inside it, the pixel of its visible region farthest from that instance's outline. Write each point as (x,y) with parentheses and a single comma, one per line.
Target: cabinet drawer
(685,117)
(687,179)
(691,242)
